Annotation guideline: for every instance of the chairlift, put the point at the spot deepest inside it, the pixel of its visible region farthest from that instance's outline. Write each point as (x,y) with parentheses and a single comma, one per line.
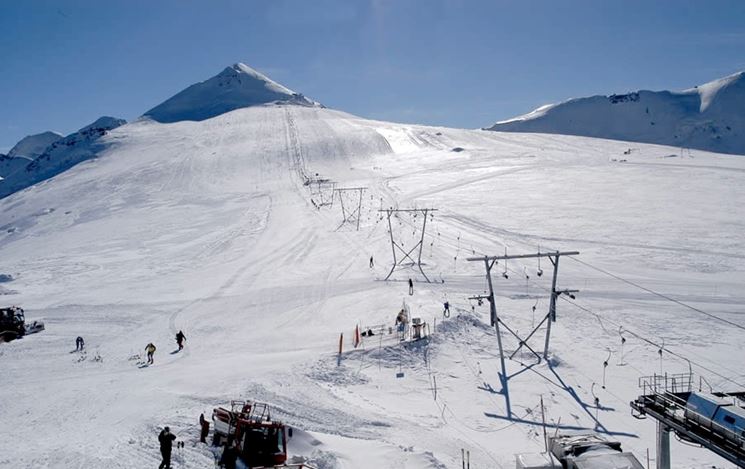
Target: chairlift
(605,365)
(525,271)
(504,273)
(540,271)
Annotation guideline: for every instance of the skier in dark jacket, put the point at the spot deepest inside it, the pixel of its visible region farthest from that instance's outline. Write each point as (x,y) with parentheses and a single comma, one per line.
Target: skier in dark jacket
(79,344)
(166,439)
(180,338)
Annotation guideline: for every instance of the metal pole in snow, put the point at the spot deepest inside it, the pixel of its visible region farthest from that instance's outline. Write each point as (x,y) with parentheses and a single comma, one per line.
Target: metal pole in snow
(543,419)
(341,343)
(552,306)
(393,244)
(495,323)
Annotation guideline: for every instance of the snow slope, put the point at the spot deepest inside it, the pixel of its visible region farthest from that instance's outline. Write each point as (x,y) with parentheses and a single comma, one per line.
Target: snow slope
(9,164)
(25,151)
(236,87)
(207,227)
(32,146)
(59,156)
(708,117)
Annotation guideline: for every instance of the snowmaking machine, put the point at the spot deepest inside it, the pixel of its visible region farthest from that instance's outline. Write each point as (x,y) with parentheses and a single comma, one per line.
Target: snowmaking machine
(13,324)
(261,442)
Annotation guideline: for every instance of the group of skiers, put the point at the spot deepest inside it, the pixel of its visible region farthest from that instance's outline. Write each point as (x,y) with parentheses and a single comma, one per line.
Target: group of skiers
(150,348)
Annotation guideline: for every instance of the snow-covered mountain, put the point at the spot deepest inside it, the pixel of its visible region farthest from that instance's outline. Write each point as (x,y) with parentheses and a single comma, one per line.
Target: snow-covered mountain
(25,151)
(60,155)
(208,227)
(9,165)
(708,117)
(34,145)
(236,87)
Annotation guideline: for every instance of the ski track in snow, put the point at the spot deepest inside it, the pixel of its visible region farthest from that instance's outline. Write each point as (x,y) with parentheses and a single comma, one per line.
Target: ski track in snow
(207,227)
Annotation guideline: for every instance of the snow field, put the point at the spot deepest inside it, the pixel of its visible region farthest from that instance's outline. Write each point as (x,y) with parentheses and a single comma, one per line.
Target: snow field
(207,227)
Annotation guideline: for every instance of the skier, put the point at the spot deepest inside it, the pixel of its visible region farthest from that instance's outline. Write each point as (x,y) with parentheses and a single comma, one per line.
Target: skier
(446,313)
(411,287)
(205,426)
(372,264)
(180,338)
(166,439)
(79,344)
(150,349)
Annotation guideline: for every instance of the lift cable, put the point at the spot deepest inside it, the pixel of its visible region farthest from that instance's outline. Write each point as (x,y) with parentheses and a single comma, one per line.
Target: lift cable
(661,295)
(652,342)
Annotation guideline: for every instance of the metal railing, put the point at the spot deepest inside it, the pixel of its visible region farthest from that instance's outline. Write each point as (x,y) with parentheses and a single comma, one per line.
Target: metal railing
(665,397)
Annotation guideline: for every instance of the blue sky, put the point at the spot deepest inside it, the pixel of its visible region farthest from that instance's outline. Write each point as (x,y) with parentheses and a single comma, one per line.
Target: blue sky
(445,62)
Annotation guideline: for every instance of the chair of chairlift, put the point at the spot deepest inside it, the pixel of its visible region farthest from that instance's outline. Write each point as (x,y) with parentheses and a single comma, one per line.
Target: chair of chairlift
(540,271)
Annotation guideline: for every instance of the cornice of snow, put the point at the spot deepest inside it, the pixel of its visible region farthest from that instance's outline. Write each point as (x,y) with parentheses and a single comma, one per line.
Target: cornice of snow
(237,86)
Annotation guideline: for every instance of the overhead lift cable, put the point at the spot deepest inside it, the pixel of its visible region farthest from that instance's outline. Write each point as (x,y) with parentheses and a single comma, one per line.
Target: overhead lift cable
(661,295)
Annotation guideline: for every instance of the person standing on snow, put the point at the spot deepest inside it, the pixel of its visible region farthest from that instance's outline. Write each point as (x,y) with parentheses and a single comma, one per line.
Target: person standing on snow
(180,338)
(79,344)
(166,439)
(150,349)
(205,428)
(411,287)
(372,264)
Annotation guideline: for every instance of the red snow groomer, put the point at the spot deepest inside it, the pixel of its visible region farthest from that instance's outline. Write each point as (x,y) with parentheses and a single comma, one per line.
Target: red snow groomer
(261,441)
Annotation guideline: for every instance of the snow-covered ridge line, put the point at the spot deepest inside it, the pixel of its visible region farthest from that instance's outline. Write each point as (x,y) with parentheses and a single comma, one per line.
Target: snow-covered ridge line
(32,146)
(708,117)
(58,157)
(236,87)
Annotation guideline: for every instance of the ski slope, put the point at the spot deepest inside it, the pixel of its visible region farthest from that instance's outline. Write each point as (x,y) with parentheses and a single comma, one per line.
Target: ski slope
(207,227)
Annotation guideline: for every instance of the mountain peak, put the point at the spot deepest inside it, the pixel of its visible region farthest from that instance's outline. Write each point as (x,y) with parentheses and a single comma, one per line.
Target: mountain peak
(237,86)
(32,146)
